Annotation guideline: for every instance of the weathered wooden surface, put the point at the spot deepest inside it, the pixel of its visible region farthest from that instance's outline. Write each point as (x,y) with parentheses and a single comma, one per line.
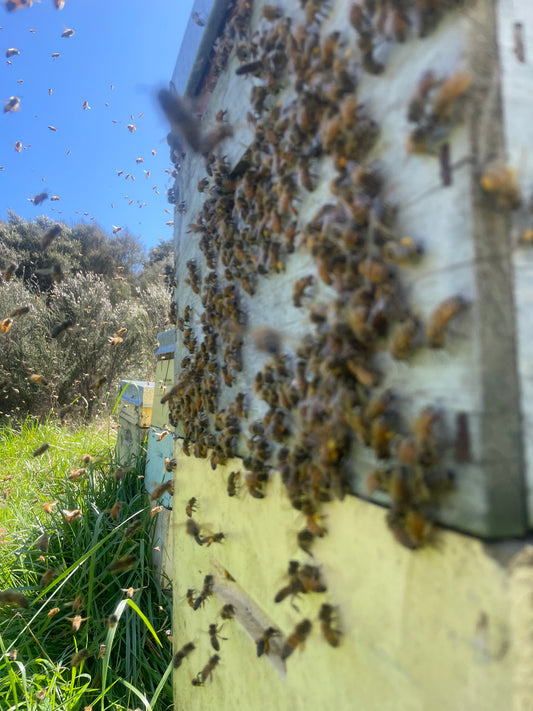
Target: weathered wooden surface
(515,42)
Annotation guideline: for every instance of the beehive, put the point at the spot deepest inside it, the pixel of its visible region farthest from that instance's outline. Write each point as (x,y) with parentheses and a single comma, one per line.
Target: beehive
(346,325)
(134,416)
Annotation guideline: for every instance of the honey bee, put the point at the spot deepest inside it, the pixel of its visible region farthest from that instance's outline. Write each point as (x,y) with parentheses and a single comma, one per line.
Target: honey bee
(441,317)
(451,89)
(12,104)
(58,328)
(53,612)
(192,505)
(50,235)
(174,390)
(501,181)
(71,514)
(85,105)
(232,483)
(42,542)
(131,127)
(41,450)
(77,659)
(183,122)
(193,529)
(170,464)
(310,578)
(48,506)
(206,591)
(98,383)
(114,340)
(165,487)
(133,527)
(9,271)
(327,616)
(12,597)
(76,474)
(162,435)
(76,622)
(6,324)
(213,538)
(47,577)
(155,510)
(182,654)
(112,621)
(18,146)
(295,585)
(262,644)
(38,199)
(122,564)
(305,538)
(19,311)
(67,33)
(299,287)
(207,671)
(101,651)
(191,596)
(228,612)
(38,379)
(297,638)
(12,52)
(55,55)
(214,636)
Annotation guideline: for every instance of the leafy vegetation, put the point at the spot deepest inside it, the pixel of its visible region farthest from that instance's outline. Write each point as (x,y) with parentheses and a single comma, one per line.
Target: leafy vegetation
(107,296)
(84,634)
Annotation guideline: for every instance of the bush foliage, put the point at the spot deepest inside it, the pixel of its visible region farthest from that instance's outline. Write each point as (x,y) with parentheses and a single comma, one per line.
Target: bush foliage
(105,287)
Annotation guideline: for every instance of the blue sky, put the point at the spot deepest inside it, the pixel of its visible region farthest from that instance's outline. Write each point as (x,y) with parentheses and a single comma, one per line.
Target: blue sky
(130,44)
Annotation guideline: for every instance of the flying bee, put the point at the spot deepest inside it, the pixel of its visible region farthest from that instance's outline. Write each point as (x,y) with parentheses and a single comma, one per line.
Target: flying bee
(18,146)
(12,104)
(67,33)
(122,564)
(213,538)
(101,651)
(12,597)
(228,612)
(183,122)
(58,328)
(214,636)
(263,643)
(112,621)
(19,311)
(47,577)
(327,617)
(38,379)
(42,542)
(162,435)
(6,324)
(170,464)
(165,487)
(98,383)
(132,529)
(155,510)
(41,450)
(206,591)
(12,52)
(232,483)
(193,529)
(182,654)
(114,340)
(50,235)
(9,271)
(297,638)
(53,612)
(77,474)
(71,514)
(76,622)
(77,659)
(192,505)
(38,199)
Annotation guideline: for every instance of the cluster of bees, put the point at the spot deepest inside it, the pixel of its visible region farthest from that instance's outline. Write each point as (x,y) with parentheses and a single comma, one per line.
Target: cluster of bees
(324,401)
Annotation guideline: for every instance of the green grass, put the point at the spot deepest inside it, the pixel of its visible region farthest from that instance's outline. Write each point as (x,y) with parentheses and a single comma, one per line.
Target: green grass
(127,664)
